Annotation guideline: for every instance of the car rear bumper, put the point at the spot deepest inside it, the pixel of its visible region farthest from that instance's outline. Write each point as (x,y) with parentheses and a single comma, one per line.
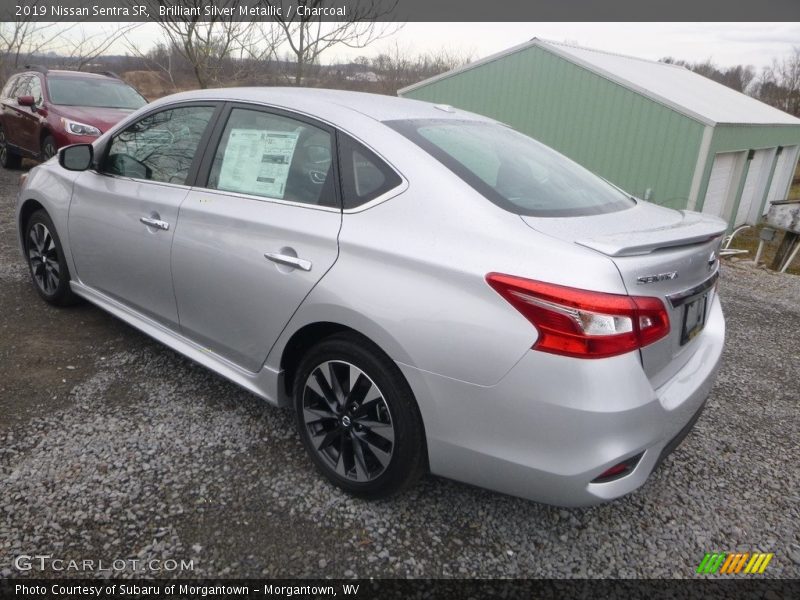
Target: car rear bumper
(553,424)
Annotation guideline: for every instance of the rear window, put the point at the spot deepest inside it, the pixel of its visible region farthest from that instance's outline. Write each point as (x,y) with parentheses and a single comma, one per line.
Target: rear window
(514,171)
(98,93)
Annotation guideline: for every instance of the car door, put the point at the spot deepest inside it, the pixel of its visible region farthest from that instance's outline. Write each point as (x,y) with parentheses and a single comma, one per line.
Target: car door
(30,121)
(123,215)
(14,113)
(257,232)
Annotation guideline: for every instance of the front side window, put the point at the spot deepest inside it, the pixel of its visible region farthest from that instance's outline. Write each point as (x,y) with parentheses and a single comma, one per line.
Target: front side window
(273,156)
(514,171)
(93,92)
(22,87)
(8,88)
(159,147)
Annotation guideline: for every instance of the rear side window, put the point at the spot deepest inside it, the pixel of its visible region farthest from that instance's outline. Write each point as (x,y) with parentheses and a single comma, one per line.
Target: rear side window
(514,171)
(364,175)
(274,156)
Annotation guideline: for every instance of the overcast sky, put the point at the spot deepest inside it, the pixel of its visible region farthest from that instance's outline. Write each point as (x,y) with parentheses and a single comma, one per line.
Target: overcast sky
(725,43)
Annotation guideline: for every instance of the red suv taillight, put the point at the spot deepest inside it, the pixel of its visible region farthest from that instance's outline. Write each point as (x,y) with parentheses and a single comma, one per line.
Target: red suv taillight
(581,323)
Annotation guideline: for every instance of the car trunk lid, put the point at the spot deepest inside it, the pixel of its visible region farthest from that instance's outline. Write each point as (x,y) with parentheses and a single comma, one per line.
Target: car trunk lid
(659,252)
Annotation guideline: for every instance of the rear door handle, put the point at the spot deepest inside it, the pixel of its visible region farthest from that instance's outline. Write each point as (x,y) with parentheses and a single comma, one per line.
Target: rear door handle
(289,261)
(157,223)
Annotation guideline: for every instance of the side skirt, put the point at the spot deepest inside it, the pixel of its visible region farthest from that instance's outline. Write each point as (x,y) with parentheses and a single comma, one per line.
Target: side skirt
(263,383)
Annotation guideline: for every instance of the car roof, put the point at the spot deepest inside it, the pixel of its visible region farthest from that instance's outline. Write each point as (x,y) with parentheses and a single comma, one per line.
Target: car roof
(327,103)
(77,74)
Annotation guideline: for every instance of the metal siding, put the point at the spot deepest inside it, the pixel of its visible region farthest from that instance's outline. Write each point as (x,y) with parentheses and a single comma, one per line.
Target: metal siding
(631,140)
(732,138)
(754,187)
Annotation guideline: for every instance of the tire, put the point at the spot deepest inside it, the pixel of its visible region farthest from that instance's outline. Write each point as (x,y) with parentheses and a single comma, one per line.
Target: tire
(8,160)
(364,433)
(46,262)
(48,148)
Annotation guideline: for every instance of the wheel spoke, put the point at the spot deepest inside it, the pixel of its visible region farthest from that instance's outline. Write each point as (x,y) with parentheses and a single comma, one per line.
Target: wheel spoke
(330,437)
(360,389)
(323,389)
(315,415)
(339,381)
(339,465)
(381,455)
(384,430)
(36,237)
(366,407)
(362,472)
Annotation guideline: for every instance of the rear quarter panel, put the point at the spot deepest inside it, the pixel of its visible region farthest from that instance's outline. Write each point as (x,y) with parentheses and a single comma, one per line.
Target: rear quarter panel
(411,274)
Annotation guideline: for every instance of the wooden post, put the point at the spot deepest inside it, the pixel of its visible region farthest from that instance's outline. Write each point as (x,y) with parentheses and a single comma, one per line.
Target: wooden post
(789,239)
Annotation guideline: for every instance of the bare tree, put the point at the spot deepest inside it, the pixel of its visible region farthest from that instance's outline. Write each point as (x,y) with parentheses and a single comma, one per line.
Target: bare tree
(80,49)
(210,44)
(397,68)
(309,31)
(738,77)
(24,37)
(779,84)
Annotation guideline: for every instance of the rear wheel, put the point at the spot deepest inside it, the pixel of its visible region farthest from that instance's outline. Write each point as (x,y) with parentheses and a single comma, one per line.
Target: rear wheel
(8,160)
(48,148)
(46,261)
(357,417)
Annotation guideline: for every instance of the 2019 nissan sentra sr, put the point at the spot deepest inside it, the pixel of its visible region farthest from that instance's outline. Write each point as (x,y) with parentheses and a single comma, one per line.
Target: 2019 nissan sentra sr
(429,288)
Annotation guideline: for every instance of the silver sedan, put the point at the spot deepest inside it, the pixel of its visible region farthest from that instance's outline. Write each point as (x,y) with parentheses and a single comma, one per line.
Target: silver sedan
(430,289)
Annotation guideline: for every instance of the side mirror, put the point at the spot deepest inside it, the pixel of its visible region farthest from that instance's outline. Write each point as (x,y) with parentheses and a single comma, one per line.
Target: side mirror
(77,157)
(26,100)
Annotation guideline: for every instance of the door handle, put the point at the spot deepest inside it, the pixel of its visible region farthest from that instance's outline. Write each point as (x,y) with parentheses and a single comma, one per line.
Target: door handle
(157,223)
(289,261)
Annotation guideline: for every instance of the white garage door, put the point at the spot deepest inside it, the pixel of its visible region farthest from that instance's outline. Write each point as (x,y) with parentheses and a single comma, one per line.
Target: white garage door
(720,185)
(784,173)
(754,187)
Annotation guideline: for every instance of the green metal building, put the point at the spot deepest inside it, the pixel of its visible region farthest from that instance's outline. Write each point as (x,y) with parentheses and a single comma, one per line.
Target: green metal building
(657,130)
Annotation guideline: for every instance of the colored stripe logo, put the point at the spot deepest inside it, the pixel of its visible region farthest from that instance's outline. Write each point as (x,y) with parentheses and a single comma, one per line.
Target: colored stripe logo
(738,562)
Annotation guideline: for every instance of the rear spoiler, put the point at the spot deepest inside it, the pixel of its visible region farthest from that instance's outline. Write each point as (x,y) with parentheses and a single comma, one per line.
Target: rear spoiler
(694,228)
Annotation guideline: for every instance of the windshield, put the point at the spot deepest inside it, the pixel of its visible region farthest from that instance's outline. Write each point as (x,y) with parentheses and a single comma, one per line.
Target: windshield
(512,170)
(99,93)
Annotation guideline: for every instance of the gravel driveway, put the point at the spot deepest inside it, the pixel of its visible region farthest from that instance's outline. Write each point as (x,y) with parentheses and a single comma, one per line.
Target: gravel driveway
(113,447)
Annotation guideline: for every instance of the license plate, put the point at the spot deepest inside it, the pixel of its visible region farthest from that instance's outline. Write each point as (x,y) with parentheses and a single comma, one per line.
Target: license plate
(694,318)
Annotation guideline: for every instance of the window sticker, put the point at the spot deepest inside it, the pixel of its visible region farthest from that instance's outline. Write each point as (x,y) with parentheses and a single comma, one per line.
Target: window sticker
(257,162)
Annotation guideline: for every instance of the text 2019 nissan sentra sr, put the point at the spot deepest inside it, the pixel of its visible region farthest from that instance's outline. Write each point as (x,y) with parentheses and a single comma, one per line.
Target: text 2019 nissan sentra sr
(429,288)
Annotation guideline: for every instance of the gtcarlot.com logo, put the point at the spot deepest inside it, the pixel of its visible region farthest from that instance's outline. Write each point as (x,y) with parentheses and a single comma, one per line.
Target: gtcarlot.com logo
(734,562)
(46,562)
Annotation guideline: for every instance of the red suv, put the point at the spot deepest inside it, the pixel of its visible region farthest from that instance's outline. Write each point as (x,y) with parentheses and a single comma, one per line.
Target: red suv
(43,110)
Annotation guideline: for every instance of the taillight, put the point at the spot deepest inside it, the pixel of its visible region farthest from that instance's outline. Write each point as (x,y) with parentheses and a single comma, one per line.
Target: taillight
(581,323)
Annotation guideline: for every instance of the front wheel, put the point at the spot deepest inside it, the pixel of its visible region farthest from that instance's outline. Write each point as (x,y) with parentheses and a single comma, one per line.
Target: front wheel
(46,261)
(358,418)
(8,160)
(48,148)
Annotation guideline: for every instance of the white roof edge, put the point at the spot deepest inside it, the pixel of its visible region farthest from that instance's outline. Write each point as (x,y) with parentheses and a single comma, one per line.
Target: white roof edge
(553,47)
(468,66)
(560,49)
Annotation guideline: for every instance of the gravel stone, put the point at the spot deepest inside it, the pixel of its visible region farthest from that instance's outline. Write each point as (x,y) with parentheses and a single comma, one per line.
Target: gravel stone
(136,452)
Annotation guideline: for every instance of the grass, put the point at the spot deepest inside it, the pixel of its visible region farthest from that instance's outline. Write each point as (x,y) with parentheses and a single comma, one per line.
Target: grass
(748,240)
